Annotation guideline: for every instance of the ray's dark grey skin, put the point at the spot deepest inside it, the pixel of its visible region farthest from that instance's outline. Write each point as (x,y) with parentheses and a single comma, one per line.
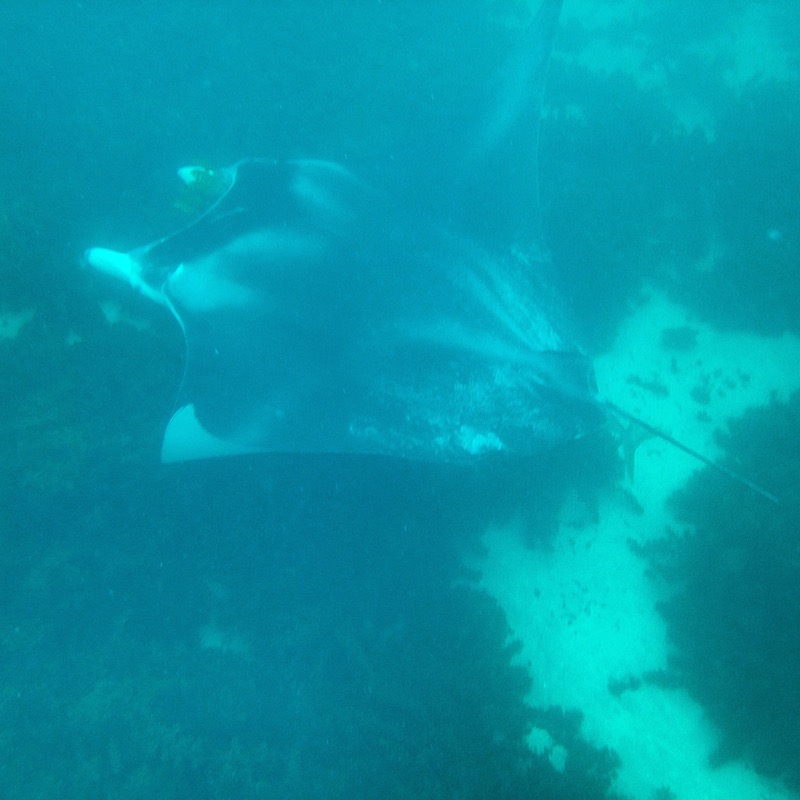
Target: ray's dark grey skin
(412,319)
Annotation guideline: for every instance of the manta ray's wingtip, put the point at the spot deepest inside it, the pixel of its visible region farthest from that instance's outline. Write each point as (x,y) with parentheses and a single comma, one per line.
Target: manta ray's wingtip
(185,439)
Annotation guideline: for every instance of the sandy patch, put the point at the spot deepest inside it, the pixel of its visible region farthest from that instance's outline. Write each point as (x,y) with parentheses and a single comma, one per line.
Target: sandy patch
(585,609)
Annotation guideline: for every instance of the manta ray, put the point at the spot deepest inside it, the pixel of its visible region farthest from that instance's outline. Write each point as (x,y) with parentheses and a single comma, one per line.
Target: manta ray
(323,313)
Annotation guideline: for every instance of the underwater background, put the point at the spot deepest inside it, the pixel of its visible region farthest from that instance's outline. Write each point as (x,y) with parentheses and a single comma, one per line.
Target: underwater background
(312,627)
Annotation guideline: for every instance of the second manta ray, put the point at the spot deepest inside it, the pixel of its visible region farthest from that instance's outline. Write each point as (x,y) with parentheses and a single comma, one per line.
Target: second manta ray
(326,315)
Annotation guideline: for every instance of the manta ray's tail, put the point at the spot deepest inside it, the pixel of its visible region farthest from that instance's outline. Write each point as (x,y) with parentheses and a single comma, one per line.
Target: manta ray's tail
(735,476)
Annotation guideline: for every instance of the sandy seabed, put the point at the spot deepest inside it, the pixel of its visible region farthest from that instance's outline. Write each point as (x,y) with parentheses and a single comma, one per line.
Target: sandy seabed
(585,610)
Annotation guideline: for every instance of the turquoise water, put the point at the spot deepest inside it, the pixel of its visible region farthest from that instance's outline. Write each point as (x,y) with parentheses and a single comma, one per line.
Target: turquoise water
(303,627)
